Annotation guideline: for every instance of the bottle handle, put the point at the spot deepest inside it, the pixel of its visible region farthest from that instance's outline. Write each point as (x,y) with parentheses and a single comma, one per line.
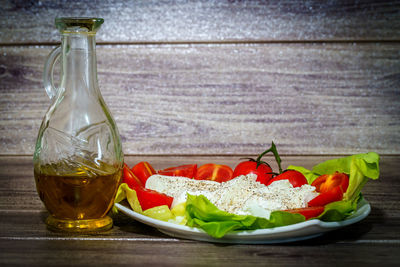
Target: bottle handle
(48,81)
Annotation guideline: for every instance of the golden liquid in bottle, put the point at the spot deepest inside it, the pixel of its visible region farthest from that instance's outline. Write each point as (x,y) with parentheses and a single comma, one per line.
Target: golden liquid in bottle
(79,200)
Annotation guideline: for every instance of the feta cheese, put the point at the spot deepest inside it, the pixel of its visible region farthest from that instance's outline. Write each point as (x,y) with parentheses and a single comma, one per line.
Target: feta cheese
(242,195)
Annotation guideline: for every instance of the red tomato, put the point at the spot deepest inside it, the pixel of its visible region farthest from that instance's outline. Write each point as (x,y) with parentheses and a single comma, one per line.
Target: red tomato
(263,171)
(296,178)
(129,178)
(309,212)
(150,198)
(326,182)
(143,170)
(183,170)
(335,194)
(214,172)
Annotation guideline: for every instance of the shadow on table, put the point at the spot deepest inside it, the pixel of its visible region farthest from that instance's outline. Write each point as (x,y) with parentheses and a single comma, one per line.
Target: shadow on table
(125,224)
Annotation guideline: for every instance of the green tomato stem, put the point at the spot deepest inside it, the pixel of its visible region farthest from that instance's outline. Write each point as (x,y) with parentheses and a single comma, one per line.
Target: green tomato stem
(276,155)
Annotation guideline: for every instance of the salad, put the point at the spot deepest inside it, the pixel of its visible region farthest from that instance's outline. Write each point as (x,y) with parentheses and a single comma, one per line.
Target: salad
(337,183)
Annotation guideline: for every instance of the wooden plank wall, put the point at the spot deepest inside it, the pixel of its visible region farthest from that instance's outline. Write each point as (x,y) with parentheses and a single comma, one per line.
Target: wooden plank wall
(219,77)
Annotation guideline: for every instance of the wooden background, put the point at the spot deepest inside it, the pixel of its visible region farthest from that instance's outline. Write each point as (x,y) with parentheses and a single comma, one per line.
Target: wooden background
(219,77)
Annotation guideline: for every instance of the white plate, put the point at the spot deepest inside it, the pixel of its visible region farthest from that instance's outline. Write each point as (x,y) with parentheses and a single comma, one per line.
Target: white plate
(289,233)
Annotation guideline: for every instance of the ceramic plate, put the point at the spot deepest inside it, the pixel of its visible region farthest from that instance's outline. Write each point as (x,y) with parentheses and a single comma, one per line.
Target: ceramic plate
(289,233)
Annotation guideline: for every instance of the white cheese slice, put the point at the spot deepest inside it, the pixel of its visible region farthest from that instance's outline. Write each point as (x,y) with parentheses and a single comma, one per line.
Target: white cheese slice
(242,195)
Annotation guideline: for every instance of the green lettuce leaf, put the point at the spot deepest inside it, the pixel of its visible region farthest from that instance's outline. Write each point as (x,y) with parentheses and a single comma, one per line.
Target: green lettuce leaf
(339,210)
(360,168)
(124,192)
(200,212)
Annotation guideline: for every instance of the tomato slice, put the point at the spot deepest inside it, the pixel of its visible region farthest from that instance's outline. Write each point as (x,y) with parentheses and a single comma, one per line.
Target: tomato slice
(326,182)
(335,194)
(214,172)
(183,170)
(143,170)
(130,179)
(296,178)
(147,198)
(309,212)
(263,171)
(150,198)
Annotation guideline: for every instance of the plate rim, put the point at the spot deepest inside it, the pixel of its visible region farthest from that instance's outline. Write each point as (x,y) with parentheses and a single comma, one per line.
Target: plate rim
(288,233)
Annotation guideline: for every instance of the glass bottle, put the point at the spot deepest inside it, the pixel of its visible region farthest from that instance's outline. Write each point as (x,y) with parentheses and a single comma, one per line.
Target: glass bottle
(78,157)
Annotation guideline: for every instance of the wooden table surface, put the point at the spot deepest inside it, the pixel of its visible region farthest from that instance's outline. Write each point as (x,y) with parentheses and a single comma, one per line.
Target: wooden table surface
(196,78)
(25,240)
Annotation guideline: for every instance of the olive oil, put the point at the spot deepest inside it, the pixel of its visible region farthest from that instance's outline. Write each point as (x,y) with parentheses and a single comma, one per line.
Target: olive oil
(80,198)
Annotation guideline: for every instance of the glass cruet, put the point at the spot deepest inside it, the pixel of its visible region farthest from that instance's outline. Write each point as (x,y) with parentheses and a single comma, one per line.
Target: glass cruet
(78,157)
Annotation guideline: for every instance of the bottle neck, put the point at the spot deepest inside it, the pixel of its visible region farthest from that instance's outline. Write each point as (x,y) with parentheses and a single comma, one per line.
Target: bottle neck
(79,71)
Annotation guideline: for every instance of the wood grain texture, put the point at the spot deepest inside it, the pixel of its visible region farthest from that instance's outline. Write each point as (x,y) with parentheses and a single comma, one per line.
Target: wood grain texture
(206,21)
(225,99)
(136,253)
(371,241)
